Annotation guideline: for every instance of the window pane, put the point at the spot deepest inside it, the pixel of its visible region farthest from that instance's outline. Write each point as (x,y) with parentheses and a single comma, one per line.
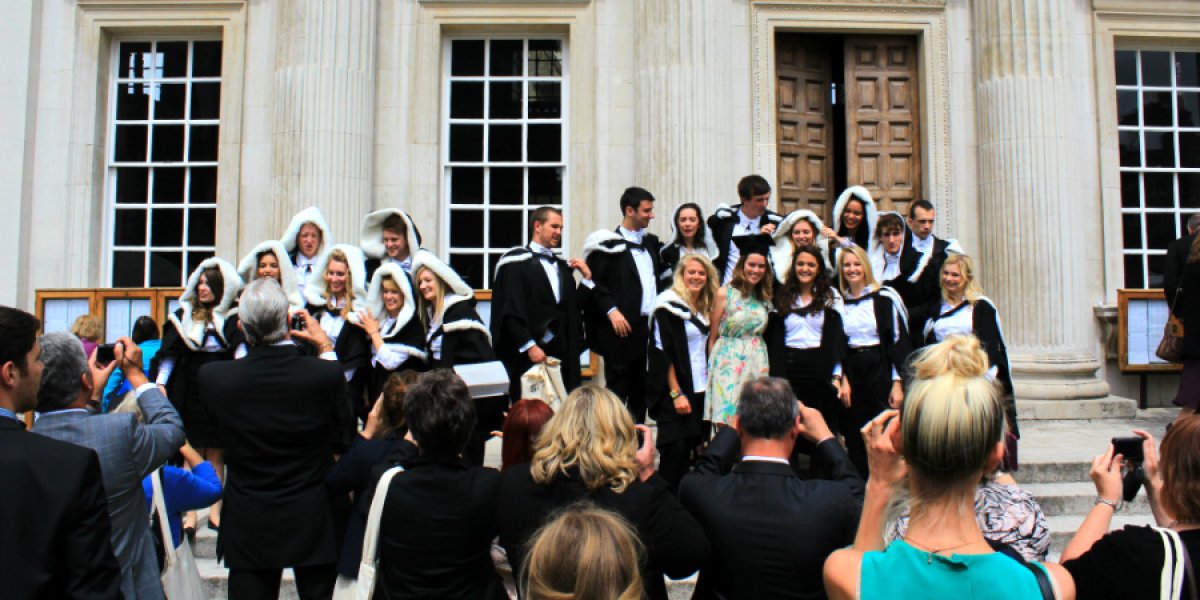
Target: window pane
(194,258)
(1154,272)
(506,230)
(129,228)
(168,185)
(166,269)
(466,143)
(1187,69)
(1156,68)
(466,100)
(132,185)
(545,186)
(202,146)
(1189,190)
(545,58)
(1130,190)
(1189,109)
(1160,230)
(545,100)
(1189,149)
(202,188)
(466,57)
(507,186)
(1126,67)
(202,227)
(170,101)
(166,227)
(130,63)
(206,59)
(466,185)
(1156,109)
(545,143)
(1160,149)
(168,143)
(466,228)
(130,143)
(133,103)
(1183,220)
(506,57)
(1131,230)
(128,269)
(505,100)
(1160,190)
(470,267)
(174,57)
(206,100)
(504,143)
(1134,274)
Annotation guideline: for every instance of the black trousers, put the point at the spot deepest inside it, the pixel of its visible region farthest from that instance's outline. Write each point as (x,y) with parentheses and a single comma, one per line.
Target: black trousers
(870,376)
(312,583)
(625,370)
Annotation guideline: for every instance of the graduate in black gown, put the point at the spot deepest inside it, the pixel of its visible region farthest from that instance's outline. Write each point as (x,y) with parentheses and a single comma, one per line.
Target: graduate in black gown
(895,263)
(389,236)
(537,306)
(678,374)
(270,259)
(799,228)
(456,335)
(625,266)
(920,237)
(306,239)
(202,330)
(688,234)
(334,293)
(962,309)
(854,215)
(875,322)
(750,217)
(391,323)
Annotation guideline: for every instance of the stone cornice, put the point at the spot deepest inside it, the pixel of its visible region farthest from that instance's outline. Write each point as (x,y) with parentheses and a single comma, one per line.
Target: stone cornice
(834,4)
(1148,7)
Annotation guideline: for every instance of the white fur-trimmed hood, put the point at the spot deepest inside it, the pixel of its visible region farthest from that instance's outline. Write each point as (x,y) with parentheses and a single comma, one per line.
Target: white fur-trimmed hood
(375,297)
(191,332)
(877,252)
(514,255)
(782,253)
(315,290)
(287,272)
(603,240)
(371,234)
(671,302)
(710,245)
(312,215)
(457,289)
(872,212)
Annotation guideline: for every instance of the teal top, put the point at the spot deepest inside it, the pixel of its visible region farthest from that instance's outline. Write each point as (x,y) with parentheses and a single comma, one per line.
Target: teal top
(902,571)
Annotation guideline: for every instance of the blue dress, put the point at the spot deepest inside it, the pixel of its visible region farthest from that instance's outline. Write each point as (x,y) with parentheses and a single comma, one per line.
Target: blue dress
(902,571)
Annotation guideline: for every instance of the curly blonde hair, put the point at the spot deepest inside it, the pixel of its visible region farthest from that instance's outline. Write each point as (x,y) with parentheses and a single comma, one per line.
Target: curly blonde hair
(593,433)
(704,302)
(972,291)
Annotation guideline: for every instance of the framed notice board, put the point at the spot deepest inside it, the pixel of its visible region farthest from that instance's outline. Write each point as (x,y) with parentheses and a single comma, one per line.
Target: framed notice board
(1141,317)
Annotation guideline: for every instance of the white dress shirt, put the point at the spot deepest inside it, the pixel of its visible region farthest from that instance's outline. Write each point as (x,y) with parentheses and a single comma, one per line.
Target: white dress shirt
(389,356)
(924,246)
(891,266)
(645,269)
(745,226)
(959,323)
(304,269)
(697,342)
(858,318)
(435,343)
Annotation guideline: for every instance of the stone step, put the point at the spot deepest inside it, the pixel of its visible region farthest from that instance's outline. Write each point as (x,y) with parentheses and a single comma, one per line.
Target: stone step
(1063,528)
(1112,407)
(1067,471)
(1077,498)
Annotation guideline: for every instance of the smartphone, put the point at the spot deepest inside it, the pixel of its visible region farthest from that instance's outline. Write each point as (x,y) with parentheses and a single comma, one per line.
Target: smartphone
(298,322)
(105,353)
(1129,447)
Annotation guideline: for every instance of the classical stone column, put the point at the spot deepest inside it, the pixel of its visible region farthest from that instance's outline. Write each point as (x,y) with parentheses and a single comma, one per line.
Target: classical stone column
(325,111)
(1038,191)
(682,104)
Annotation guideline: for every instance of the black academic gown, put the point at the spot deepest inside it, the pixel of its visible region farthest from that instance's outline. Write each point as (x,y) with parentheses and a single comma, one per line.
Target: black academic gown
(615,274)
(353,349)
(183,388)
(722,223)
(524,308)
(929,284)
(833,343)
(464,342)
(669,322)
(412,335)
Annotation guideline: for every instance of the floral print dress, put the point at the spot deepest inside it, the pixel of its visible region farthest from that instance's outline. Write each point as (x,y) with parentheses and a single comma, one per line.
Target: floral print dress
(739,355)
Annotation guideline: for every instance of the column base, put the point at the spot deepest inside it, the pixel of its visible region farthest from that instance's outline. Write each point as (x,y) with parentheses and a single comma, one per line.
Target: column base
(1064,386)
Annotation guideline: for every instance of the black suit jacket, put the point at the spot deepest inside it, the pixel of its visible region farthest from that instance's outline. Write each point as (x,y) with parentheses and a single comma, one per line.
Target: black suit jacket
(675,544)
(722,222)
(276,411)
(435,536)
(929,284)
(770,530)
(56,541)
(618,286)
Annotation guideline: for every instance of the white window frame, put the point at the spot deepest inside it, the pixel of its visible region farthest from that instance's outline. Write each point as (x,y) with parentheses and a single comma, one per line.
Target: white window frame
(486,207)
(1144,251)
(115,82)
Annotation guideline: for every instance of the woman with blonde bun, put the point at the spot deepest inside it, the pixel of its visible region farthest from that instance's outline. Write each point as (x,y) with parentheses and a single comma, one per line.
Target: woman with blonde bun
(948,434)
(585,553)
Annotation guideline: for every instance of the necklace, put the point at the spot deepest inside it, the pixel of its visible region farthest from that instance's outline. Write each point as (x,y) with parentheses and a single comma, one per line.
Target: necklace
(929,552)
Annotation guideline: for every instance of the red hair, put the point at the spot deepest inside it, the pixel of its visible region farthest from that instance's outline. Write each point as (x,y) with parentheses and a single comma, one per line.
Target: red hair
(524,422)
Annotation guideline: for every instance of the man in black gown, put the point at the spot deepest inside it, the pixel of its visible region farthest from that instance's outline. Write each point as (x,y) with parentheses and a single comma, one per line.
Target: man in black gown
(751,217)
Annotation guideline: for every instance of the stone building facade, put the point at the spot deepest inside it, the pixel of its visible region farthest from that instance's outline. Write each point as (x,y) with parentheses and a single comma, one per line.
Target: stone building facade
(1058,139)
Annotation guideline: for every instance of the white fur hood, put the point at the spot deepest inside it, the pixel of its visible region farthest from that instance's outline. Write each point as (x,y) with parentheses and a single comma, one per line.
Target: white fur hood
(191,332)
(312,215)
(375,297)
(671,302)
(457,289)
(315,291)
(782,252)
(371,235)
(872,213)
(603,240)
(287,272)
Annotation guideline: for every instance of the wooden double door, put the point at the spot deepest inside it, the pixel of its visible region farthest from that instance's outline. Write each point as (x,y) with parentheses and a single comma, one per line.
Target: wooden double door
(847,114)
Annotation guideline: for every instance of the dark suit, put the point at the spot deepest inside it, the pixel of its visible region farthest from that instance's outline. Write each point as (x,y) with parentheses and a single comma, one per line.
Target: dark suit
(276,410)
(435,536)
(770,530)
(56,535)
(929,284)
(675,544)
(1177,255)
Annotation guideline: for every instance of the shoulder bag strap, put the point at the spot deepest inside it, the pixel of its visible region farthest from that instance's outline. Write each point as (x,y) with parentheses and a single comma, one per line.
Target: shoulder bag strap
(371,535)
(164,526)
(1171,580)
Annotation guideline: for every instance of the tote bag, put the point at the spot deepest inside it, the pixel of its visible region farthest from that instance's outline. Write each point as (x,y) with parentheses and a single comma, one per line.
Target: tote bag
(180,577)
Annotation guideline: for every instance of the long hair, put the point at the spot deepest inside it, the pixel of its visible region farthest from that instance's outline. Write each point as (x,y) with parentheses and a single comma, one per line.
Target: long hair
(862,235)
(1180,468)
(789,293)
(338,256)
(524,422)
(869,281)
(971,288)
(439,297)
(216,283)
(584,553)
(593,433)
(392,399)
(702,303)
(763,289)
(698,240)
(951,421)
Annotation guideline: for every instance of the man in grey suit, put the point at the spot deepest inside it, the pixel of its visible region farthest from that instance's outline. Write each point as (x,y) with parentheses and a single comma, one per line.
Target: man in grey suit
(128,450)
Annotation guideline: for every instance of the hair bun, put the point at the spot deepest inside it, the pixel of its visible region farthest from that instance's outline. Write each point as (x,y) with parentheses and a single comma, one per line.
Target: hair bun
(958,355)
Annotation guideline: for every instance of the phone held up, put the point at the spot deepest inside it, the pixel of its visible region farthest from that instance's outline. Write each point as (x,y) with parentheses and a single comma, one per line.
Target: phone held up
(297,322)
(105,353)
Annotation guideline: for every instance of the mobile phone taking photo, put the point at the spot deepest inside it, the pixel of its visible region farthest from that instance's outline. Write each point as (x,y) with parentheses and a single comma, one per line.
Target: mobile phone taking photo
(105,354)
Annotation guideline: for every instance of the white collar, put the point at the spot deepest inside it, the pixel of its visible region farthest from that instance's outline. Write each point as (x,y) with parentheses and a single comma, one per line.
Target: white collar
(747,221)
(539,249)
(633,236)
(304,260)
(772,459)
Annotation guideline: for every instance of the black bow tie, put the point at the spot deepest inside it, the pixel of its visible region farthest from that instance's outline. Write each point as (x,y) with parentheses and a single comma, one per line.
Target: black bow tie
(546,256)
(637,245)
(308,269)
(333,312)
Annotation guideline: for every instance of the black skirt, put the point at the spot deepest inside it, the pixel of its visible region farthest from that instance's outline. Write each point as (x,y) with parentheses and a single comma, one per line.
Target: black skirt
(811,385)
(198,424)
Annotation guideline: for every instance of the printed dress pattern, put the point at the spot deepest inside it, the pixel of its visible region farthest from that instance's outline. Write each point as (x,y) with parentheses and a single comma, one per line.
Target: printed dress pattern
(739,355)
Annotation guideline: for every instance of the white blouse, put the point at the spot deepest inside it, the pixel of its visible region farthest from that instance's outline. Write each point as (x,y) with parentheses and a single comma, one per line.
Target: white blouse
(959,323)
(697,342)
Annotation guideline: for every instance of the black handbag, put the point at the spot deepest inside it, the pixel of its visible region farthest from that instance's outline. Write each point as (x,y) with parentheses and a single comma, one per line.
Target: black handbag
(1170,348)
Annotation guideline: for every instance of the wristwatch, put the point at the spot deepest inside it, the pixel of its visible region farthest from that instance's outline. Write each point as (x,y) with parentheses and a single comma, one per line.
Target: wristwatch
(676,394)
(1116,506)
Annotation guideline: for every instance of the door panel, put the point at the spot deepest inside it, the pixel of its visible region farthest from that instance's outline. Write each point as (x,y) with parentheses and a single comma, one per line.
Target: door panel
(882,119)
(805,165)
